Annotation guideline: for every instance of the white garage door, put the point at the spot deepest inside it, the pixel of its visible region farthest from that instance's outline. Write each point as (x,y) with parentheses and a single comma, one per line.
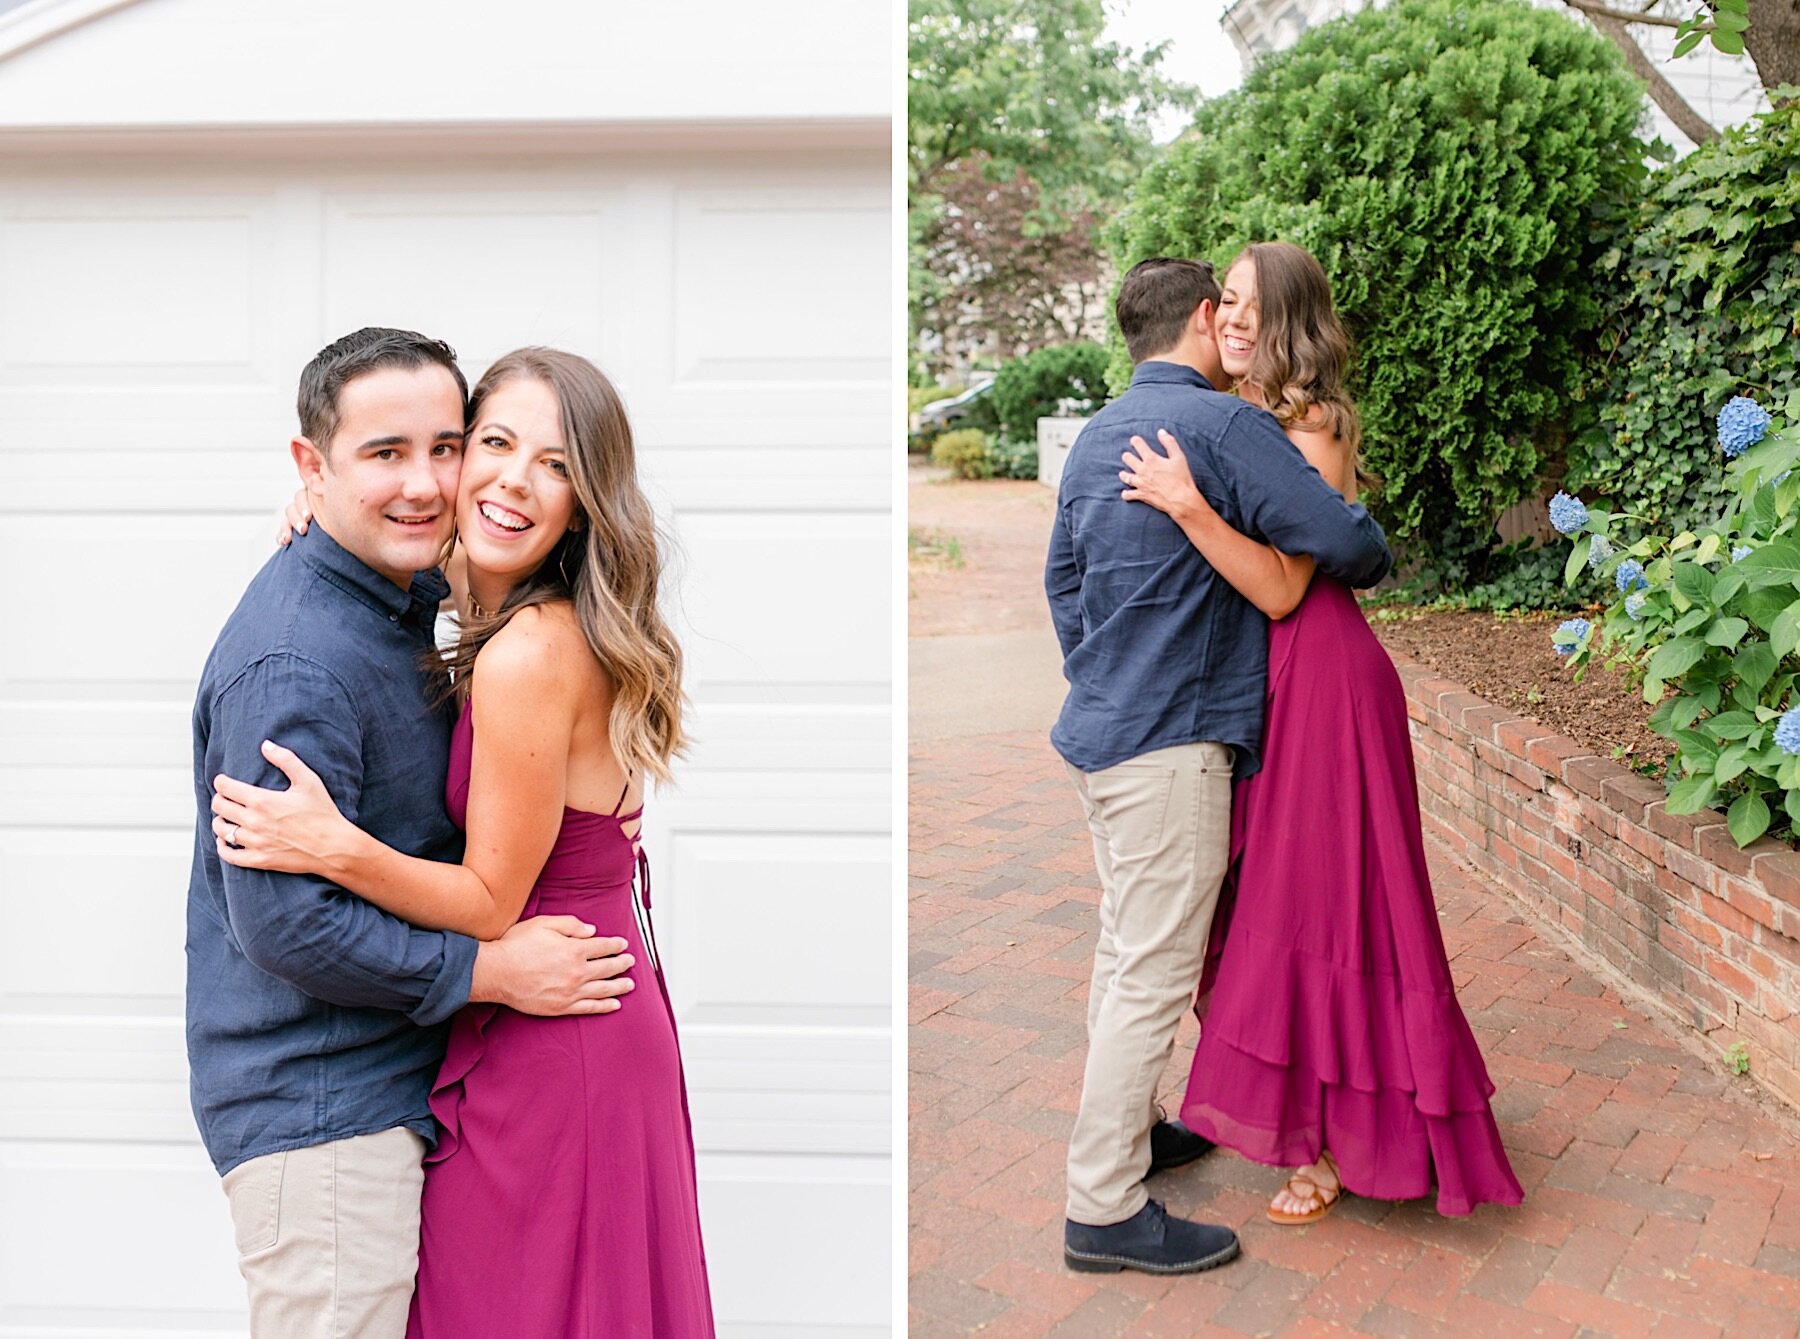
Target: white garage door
(154,315)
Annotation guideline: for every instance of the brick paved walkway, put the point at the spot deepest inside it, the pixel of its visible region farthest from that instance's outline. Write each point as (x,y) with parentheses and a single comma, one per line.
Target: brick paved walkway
(1662,1198)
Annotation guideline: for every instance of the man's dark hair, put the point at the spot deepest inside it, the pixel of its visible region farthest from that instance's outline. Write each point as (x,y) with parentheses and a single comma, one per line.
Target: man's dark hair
(367,350)
(1156,299)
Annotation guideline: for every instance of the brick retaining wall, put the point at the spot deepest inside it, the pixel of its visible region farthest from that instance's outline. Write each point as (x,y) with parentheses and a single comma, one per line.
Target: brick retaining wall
(1672,903)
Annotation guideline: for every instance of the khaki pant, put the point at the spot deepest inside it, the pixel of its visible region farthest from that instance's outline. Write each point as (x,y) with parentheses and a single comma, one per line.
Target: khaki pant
(1162,829)
(328,1236)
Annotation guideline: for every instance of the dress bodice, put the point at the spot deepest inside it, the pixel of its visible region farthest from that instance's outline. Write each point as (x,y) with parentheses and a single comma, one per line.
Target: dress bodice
(592,853)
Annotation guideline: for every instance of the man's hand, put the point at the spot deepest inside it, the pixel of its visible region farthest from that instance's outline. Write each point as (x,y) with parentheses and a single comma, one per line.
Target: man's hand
(552,965)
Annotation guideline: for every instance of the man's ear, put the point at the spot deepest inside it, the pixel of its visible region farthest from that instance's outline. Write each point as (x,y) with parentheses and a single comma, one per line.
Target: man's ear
(1202,318)
(310,461)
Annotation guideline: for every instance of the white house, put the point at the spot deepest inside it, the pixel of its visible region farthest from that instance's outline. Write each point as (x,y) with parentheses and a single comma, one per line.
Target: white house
(195,196)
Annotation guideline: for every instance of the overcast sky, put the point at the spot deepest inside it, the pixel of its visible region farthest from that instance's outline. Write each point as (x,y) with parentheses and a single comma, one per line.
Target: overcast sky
(1199,51)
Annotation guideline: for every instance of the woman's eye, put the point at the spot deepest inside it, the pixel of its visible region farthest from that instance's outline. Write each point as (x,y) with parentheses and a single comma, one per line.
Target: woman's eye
(498,443)
(559,469)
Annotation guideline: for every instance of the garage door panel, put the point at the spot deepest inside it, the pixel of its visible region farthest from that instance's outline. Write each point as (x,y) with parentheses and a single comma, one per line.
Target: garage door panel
(140,1231)
(838,1284)
(795,898)
(776,289)
(141,289)
(758,583)
(537,277)
(164,585)
(95,918)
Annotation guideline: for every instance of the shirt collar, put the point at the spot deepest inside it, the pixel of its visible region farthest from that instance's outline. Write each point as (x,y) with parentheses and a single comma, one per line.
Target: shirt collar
(1157,372)
(356,578)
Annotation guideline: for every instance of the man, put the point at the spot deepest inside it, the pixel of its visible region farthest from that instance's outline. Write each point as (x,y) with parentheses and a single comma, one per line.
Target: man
(314,1019)
(1166,666)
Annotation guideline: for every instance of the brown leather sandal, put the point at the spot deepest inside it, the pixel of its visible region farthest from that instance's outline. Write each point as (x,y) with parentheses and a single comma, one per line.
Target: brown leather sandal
(1303,1187)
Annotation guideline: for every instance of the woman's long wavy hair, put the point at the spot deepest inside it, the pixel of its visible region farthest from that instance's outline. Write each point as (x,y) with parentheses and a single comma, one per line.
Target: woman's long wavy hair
(1303,351)
(607,567)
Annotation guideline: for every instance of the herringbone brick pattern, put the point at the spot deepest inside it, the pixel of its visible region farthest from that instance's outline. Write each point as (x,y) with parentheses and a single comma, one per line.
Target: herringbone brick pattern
(1662,1196)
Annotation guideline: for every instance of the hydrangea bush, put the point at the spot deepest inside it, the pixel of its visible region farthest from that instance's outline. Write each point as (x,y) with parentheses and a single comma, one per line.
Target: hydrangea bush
(1710,618)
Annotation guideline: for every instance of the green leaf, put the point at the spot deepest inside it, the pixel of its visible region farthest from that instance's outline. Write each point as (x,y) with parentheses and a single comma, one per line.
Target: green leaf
(1727,632)
(1785,635)
(1694,581)
(1729,583)
(1676,657)
(1748,818)
(1730,22)
(1697,748)
(1708,550)
(1688,43)
(1692,795)
(1577,559)
(1771,564)
(1792,804)
(1754,665)
(1731,764)
(1684,712)
(1732,44)
(1730,725)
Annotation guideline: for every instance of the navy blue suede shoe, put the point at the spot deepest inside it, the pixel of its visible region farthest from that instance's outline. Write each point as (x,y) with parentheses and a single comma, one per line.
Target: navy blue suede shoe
(1172,1144)
(1149,1240)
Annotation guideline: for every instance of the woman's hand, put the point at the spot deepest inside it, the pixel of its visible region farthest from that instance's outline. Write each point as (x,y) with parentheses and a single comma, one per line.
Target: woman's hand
(1166,482)
(297,831)
(295,517)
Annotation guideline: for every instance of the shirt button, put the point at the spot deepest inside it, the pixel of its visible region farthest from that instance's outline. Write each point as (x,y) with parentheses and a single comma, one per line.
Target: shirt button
(393,618)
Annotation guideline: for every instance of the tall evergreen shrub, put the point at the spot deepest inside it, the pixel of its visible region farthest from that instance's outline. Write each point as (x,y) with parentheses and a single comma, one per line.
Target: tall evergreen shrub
(1702,295)
(1442,159)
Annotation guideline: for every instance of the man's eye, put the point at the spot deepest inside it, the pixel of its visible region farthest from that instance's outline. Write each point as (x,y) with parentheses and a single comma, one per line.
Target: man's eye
(446,448)
(386,453)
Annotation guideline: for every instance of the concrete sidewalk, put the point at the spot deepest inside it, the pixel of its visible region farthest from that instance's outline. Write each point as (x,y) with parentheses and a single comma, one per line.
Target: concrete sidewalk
(1662,1196)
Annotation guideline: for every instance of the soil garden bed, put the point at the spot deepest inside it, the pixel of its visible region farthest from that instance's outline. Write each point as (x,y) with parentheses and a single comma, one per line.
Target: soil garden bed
(1507,659)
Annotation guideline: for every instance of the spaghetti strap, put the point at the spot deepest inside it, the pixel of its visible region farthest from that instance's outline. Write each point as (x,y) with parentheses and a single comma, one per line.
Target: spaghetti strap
(621,804)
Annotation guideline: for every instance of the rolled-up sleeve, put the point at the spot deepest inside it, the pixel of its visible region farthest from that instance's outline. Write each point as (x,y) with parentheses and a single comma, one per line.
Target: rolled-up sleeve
(301,928)
(1282,498)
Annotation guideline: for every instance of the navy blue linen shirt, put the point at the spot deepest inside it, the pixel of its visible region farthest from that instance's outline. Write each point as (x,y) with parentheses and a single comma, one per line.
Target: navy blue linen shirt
(1158,649)
(313,1015)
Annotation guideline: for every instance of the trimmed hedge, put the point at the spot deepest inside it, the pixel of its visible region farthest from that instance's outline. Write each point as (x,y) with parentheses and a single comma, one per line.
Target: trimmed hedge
(1444,161)
(1032,387)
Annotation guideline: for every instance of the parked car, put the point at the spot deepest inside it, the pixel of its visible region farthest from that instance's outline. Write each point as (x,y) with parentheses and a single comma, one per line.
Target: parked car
(940,415)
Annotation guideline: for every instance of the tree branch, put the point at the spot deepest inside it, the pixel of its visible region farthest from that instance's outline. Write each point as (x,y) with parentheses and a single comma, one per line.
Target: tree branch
(1612,23)
(1600,11)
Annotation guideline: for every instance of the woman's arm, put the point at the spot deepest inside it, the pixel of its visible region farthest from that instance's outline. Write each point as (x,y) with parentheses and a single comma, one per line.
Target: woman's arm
(1273,581)
(525,715)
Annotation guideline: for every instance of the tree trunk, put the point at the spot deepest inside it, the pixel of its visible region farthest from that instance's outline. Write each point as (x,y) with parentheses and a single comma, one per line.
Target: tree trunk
(1688,121)
(1773,41)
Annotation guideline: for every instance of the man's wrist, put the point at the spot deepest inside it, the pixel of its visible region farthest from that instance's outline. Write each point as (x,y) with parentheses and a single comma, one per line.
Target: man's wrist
(488,980)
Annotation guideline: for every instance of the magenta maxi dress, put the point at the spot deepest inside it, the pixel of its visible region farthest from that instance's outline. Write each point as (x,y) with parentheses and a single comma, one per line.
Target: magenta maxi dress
(560,1200)
(1329,1018)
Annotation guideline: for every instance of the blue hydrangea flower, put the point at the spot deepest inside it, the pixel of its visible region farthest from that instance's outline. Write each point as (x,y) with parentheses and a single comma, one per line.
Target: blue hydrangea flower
(1742,423)
(1741,552)
(1787,730)
(1634,604)
(1577,628)
(1629,575)
(1567,515)
(1599,552)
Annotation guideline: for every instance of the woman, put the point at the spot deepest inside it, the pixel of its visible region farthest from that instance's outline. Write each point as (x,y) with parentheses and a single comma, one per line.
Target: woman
(1332,1039)
(560,1200)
